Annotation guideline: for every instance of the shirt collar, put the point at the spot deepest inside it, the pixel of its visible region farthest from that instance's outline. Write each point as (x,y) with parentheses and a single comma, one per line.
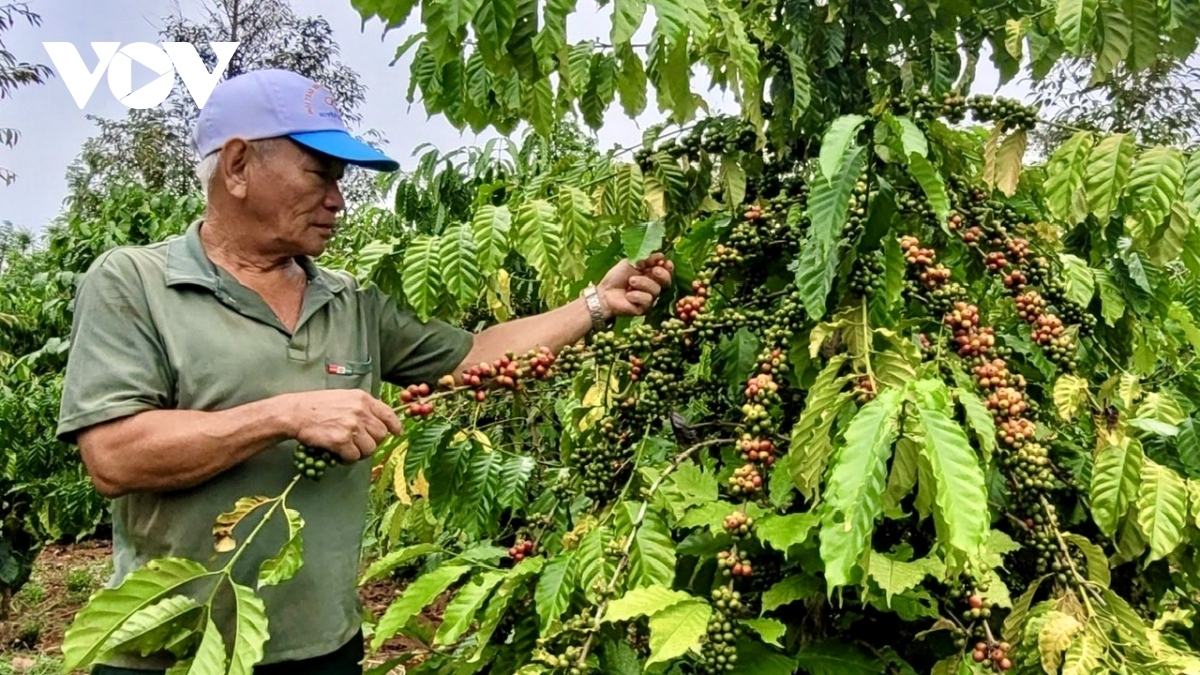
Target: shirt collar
(187,263)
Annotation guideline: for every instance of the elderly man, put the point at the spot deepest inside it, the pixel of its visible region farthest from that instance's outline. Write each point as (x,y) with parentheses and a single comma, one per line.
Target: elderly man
(197,364)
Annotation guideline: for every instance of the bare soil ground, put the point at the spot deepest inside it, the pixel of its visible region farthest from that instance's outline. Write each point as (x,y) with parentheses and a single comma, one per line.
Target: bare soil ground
(65,576)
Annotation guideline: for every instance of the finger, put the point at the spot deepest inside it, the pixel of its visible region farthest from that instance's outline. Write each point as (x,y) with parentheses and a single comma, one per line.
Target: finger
(661,276)
(640,299)
(645,284)
(386,415)
(376,428)
(365,444)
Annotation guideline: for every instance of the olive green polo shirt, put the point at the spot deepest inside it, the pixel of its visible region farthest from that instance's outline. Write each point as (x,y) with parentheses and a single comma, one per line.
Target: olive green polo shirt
(162,327)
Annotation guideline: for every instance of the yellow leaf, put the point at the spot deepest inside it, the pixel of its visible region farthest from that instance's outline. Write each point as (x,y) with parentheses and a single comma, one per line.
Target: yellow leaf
(597,403)
(420,486)
(399,481)
(990,151)
(1008,162)
(656,196)
(1054,639)
(483,439)
(1070,393)
(499,295)
(222,530)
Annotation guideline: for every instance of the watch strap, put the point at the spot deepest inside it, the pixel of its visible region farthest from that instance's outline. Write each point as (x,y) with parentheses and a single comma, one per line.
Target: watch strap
(594,308)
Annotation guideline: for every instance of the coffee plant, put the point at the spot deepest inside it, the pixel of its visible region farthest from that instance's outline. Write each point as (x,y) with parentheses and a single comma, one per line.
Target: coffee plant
(912,406)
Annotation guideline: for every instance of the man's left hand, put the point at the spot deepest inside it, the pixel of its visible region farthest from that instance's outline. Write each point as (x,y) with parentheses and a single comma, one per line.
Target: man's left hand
(631,289)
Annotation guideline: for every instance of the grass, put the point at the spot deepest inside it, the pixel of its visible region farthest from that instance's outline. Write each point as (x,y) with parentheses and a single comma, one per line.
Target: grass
(28,665)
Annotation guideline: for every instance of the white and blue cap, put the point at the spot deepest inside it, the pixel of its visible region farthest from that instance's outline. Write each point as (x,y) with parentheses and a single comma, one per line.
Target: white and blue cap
(274,103)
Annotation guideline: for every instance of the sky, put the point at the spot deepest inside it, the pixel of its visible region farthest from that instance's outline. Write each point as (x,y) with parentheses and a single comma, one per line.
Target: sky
(53,128)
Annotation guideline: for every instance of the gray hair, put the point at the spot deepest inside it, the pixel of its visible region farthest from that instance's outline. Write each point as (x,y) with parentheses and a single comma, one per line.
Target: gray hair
(206,170)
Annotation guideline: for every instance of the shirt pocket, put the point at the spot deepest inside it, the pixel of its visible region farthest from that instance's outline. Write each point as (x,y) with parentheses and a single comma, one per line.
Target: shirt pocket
(356,373)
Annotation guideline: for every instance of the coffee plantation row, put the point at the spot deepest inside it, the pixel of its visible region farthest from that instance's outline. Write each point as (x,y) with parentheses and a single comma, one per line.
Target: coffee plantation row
(918,402)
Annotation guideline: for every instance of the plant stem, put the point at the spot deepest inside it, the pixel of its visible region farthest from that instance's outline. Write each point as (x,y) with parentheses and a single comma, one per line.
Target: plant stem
(624,561)
(228,569)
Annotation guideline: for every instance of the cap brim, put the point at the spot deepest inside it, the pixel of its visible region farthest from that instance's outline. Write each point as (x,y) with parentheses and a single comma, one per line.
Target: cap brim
(345,147)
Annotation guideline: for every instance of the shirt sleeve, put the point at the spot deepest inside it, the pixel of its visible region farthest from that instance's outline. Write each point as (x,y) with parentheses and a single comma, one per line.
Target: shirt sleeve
(116,364)
(414,351)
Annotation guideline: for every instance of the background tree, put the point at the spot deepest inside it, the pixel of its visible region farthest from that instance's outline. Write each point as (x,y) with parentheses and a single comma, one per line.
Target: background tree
(152,147)
(1158,105)
(15,74)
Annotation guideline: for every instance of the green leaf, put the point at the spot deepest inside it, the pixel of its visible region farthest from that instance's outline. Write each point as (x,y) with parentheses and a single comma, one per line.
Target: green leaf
(691,486)
(618,658)
(645,601)
(538,102)
(394,559)
(576,214)
(739,356)
(1112,302)
(539,237)
(897,576)
(903,477)
(627,17)
(835,145)
(801,81)
(210,655)
(149,629)
(1161,508)
(784,532)
(1074,19)
(631,81)
(677,629)
(854,490)
(591,563)
(420,279)
(931,183)
(1154,184)
(1116,38)
(490,228)
(1066,172)
(1143,48)
(493,614)
(980,420)
(770,630)
(416,596)
(733,180)
(1108,167)
(828,207)
(1191,183)
(811,445)
(250,631)
(791,589)
(912,139)
(640,241)
(674,19)
(460,612)
(514,476)
(459,268)
(553,593)
(493,25)
(834,657)
(1079,280)
(758,659)
(110,608)
(652,555)
(290,558)
(1015,620)
(1115,479)
(1097,562)
(959,482)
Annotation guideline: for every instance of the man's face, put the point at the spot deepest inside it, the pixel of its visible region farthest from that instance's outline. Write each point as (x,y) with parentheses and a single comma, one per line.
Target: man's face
(295,195)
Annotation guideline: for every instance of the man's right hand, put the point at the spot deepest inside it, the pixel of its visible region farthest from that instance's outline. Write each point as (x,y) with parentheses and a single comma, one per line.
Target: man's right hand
(347,422)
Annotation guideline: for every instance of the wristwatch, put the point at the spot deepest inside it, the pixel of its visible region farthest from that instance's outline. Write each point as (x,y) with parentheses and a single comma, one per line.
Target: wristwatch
(594,308)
